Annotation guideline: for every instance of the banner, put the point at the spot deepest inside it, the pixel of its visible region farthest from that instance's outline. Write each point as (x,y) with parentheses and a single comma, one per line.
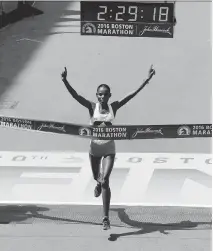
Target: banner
(118,132)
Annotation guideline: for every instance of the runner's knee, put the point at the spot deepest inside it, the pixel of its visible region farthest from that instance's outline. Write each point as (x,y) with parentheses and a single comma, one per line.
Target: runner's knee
(105,184)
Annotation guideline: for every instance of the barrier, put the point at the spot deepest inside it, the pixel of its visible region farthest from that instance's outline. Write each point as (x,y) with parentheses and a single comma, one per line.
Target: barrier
(118,132)
(161,179)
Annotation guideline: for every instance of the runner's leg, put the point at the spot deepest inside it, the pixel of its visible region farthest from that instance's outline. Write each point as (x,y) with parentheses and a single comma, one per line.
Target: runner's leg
(108,163)
(95,163)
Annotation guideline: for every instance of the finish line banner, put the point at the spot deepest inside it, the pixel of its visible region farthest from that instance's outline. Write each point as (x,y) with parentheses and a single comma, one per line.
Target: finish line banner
(118,132)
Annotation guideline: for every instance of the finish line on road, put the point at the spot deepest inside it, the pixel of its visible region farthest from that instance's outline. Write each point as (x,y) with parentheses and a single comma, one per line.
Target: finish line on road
(137,179)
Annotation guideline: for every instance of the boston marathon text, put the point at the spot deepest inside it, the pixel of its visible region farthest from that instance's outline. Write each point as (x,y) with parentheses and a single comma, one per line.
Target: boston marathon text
(115,26)
(108,132)
(115,29)
(16,125)
(201,130)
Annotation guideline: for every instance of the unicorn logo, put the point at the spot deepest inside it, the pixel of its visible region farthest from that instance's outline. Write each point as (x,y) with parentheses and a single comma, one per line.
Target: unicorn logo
(89,28)
(184,131)
(84,131)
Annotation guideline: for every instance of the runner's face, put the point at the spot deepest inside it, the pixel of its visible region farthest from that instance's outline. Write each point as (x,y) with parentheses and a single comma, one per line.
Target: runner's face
(103,95)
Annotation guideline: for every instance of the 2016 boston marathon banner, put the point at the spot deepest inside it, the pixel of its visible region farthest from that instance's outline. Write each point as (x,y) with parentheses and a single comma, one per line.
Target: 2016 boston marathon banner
(118,132)
(128,19)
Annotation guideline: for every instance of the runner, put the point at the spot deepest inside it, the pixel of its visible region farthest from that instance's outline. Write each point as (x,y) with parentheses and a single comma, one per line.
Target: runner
(103,151)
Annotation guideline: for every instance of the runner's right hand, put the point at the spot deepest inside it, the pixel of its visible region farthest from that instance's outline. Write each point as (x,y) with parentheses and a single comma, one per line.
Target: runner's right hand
(64,74)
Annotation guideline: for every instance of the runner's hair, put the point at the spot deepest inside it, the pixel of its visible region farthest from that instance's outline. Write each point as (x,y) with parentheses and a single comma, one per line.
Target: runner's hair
(104,85)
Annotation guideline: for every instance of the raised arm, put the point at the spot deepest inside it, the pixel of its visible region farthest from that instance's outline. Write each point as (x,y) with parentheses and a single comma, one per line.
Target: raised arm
(86,103)
(118,104)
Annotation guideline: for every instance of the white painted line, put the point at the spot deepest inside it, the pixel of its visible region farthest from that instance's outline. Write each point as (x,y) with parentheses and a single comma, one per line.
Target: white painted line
(55,203)
(49,175)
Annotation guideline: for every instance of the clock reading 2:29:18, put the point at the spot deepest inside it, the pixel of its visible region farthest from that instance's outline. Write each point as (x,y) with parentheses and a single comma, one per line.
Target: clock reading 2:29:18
(128,12)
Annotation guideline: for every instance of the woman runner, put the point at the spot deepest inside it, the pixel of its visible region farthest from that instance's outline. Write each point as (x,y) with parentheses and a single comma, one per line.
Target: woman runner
(103,114)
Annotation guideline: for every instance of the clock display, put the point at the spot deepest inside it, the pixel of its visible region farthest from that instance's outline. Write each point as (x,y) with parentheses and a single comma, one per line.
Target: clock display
(140,12)
(128,19)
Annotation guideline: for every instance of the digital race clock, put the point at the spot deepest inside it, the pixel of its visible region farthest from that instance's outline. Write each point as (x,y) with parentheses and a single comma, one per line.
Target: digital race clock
(127,19)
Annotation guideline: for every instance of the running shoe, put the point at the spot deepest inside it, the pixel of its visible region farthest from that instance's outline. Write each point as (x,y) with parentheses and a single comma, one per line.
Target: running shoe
(106,223)
(97,191)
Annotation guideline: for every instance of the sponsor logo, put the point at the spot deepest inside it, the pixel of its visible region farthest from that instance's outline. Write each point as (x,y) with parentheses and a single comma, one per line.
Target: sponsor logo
(51,126)
(89,28)
(155,29)
(84,131)
(184,131)
(148,130)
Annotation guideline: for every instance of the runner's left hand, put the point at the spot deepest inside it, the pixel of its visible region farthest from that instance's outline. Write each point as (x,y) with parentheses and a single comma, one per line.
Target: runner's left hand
(151,72)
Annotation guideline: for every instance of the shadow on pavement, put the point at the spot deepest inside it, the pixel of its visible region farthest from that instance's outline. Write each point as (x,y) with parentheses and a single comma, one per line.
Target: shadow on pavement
(19,41)
(16,214)
(148,227)
(9,214)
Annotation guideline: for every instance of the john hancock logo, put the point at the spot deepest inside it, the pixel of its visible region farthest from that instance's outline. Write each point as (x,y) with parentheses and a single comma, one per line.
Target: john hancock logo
(184,131)
(147,130)
(51,127)
(88,28)
(155,29)
(84,132)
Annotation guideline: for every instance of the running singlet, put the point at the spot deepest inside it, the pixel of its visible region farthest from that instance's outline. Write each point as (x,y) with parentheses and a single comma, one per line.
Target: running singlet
(102,120)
